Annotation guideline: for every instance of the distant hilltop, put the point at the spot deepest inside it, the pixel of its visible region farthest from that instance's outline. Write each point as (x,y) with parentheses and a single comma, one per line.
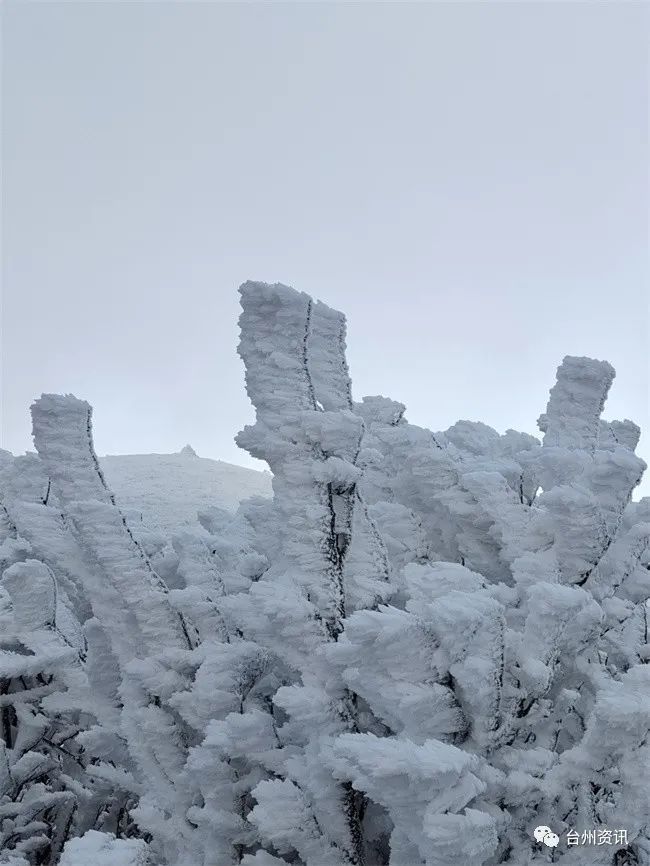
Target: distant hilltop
(169,489)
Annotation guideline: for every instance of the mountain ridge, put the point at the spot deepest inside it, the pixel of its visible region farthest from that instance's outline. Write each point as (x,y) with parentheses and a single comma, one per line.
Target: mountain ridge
(169,489)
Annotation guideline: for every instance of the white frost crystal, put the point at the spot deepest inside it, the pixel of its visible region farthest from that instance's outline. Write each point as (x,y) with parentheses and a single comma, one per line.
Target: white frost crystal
(423,647)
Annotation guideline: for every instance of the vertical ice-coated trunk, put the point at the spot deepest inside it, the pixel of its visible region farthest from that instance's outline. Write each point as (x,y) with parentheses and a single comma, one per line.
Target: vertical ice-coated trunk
(297,379)
(587,467)
(307,431)
(330,376)
(133,605)
(326,360)
(575,404)
(275,325)
(63,438)
(309,449)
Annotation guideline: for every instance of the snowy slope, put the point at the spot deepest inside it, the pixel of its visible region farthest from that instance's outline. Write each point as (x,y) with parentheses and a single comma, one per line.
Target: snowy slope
(168,489)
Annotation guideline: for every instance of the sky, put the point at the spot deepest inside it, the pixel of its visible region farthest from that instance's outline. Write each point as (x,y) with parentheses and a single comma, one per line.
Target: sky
(468,182)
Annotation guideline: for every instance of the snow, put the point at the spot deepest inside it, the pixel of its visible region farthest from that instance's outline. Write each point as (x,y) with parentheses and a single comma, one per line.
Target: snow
(167,490)
(101,849)
(421,647)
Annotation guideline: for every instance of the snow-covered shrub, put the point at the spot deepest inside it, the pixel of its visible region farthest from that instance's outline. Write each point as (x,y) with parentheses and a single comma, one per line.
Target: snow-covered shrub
(462,646)
(422,648)
(102,849)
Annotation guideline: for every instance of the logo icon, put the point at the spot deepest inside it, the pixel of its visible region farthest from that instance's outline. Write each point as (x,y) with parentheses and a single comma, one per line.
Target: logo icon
(545,834)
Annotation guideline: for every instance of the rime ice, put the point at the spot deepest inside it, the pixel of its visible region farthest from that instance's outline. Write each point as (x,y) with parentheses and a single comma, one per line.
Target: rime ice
(422,645)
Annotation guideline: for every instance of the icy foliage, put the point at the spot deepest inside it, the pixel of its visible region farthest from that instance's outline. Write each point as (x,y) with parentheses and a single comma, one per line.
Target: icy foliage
(423,647)
(100,849)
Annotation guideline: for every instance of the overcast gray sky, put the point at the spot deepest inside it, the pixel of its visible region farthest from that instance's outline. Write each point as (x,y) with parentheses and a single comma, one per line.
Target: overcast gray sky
(468,182)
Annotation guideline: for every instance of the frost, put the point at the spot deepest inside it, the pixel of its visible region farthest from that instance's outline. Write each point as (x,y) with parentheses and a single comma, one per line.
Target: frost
(100,849)
(425,645)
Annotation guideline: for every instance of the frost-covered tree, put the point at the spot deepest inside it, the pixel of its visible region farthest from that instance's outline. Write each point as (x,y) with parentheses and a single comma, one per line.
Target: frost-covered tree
(461,711)
(425,644)
(48,697)
(39,660)
(158,665)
